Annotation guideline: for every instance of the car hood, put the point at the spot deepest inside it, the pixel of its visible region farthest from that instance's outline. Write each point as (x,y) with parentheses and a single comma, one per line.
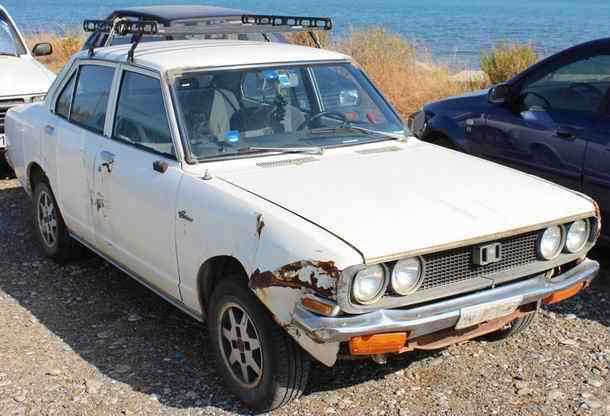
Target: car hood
(23,75)
(463,102)
(405,198)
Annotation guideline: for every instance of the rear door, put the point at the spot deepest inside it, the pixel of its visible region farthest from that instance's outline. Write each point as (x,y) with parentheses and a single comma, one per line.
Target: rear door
(78,128)
(136,180)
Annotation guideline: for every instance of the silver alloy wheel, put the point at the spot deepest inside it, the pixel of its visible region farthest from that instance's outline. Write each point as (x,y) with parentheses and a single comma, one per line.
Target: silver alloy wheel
(47,218)
(240,345)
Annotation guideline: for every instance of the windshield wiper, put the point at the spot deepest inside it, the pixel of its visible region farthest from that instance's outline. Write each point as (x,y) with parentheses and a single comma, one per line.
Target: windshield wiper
(316,150)
(8,54)
(352,127)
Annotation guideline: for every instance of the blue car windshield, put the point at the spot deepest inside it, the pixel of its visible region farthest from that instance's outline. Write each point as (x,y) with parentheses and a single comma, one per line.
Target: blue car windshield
(10,44)
(232,112)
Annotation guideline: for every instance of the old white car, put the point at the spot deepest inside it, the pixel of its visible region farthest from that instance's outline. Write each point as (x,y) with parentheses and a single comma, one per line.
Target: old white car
(271,190)
(22,78)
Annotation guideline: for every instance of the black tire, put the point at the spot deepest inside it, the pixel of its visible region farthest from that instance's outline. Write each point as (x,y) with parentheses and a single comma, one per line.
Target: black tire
(284,365)
(513,328)
(6,172)
(55,242)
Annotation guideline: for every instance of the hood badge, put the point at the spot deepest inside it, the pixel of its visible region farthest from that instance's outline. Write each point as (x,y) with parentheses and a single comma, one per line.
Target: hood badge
(487,254)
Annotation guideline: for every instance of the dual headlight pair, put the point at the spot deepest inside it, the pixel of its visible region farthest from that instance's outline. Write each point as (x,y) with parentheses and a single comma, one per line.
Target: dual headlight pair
(371,283)
(552,241)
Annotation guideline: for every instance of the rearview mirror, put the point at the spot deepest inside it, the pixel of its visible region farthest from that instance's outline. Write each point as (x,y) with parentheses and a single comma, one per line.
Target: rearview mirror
(498,94)
(349,98)
(42,49)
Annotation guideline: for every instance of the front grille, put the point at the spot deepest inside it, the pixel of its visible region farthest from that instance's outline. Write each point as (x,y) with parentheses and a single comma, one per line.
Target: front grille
(5,105)
(456,265)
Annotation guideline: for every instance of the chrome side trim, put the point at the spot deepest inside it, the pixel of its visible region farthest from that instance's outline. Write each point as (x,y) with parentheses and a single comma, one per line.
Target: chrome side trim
(170,299)
(433,317)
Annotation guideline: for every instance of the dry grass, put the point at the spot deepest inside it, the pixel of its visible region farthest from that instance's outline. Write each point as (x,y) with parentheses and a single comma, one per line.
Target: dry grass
(506,60)
(407,78)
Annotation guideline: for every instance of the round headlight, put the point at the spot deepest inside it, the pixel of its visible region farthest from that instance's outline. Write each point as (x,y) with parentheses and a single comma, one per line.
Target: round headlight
(369,284)
(577,236)
(406,276)
(549,244)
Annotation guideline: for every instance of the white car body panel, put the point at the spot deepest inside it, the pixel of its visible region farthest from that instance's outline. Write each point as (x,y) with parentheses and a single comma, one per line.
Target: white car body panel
(305,223)
(387,194)
(23,76)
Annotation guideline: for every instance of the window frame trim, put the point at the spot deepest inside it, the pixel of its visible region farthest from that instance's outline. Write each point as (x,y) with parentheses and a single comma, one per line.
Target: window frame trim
(122,69)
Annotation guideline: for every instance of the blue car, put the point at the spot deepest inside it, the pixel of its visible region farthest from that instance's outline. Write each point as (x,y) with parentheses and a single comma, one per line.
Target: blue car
(551,120)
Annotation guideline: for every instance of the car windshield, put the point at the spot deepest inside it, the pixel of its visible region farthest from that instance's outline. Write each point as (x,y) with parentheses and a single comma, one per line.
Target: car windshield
(10,44)
(235,112)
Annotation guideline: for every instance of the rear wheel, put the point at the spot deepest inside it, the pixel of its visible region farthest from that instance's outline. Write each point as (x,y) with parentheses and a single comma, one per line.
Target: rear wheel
(512,328)
(257,360)
(49,226)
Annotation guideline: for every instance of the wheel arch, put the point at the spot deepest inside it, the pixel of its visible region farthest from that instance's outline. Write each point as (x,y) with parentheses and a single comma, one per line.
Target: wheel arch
(210,274)
(35,173)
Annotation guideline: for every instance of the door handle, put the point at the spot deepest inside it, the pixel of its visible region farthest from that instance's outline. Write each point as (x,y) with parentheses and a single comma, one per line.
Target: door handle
(184,216)
(107,161)
(565,133)
(49,129)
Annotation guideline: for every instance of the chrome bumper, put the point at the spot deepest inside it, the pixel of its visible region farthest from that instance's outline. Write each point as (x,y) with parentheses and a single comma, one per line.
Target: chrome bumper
(437,316)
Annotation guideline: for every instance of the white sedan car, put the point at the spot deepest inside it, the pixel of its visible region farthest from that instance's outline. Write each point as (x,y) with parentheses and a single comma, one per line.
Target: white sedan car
(22,78)
(271,190)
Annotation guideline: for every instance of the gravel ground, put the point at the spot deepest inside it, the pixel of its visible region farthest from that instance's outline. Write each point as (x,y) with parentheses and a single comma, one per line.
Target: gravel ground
(84,339)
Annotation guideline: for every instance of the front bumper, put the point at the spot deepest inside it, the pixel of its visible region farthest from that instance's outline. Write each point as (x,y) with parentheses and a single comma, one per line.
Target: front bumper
(437,316)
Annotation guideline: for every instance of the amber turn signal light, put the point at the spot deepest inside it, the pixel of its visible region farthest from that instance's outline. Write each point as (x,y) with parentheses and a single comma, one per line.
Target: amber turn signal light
(378,343)
(564,294)
(319,307)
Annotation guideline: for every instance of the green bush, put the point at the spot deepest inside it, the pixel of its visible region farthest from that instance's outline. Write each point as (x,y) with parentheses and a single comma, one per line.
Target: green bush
(506,60)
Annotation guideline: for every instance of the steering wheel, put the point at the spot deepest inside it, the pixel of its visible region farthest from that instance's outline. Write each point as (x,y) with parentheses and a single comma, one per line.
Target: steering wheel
(546,102)
(585,86)
(307,123)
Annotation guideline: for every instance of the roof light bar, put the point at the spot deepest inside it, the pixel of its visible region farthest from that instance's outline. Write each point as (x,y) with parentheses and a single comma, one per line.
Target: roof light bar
(250,23)
(121,27)
(306,23)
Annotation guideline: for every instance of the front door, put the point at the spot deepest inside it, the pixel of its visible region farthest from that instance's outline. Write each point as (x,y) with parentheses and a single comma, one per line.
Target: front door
(546,129)
(136,181)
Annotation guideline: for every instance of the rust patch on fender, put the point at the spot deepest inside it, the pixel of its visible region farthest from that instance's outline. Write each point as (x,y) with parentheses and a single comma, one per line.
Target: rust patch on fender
(318,276)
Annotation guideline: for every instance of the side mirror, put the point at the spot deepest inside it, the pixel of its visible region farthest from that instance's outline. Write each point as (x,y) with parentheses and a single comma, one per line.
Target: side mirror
(499,94)
(42,49)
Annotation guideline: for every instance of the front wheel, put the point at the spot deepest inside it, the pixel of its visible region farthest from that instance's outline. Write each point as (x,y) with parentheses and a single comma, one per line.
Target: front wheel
(256,359)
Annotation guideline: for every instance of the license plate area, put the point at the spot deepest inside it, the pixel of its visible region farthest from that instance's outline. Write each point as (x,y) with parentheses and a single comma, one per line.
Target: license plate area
(473,315)
(2,141)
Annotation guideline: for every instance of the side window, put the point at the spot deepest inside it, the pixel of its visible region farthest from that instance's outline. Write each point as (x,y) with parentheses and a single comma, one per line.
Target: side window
(141,118)
(91,97)
(62,107)
(578,86)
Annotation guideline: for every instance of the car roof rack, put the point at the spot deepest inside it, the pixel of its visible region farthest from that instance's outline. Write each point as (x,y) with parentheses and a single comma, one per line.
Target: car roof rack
(249,23)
